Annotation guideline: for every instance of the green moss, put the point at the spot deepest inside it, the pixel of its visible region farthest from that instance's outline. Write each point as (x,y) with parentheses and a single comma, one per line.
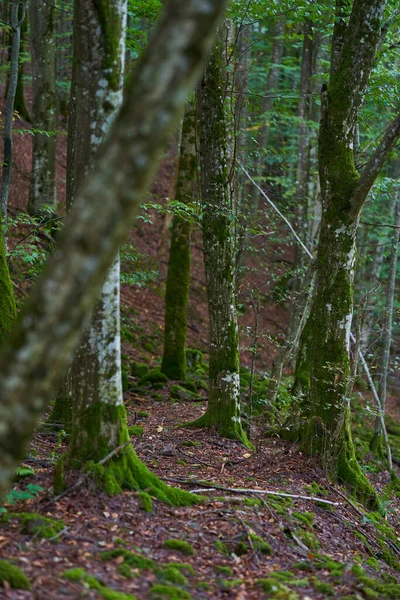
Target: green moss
(324,588)
(221,547)
(357,570)
(261,545)
(224,569)
(275,589)
(130,558)
(383,590)
(372,562)
(229,584)
(154,376)
(186,567)
(7,302)
(283,576)
(139,369)
(203,585)
(13,576)
(190,385)
(36,525)
(143,414)
(146,501)
(309,539)
(173,575)
(180,546)
(252,502)
(168,592)
(135,430)
(190,443)
(194,358)
(325,562)
(241,548)
(125,571)
(80,576)
(178,392)
(305,517)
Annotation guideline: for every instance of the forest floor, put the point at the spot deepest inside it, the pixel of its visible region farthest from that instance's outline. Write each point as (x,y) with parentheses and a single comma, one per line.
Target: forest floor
(239,543)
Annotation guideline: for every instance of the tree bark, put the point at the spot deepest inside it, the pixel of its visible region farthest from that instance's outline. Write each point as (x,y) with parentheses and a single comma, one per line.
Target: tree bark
(48,331)
(378,442)
(178,277)
(323,364)
(10,99)
(218,195)
(42,193)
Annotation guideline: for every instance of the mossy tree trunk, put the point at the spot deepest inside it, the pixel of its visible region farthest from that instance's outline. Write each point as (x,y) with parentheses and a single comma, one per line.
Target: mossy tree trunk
(178,278)
(39,348)
(322,368)
(19,105)
(16,23)
(218,196)
(7,302)
(42,191)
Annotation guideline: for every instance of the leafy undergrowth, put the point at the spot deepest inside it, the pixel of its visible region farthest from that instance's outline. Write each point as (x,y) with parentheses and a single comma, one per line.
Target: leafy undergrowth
(234,545)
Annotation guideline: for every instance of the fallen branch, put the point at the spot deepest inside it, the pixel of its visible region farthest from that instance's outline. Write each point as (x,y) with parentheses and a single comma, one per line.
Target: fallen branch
(215,486)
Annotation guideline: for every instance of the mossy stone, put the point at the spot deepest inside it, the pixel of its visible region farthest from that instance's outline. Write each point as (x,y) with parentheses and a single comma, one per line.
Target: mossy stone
(13,576)
(130,558)
(173,575)
(194,358)
(168,592)
(180,393)
(180,546)
(152,377)
(139,369)
(80,576)
(37,525)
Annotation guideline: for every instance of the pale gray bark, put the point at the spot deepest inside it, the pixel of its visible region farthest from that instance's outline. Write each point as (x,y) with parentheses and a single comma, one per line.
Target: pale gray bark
(42,193)
(49,329)
(388,318)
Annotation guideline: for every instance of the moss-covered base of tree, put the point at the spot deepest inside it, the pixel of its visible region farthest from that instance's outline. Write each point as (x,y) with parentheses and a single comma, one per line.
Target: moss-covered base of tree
(61,416)
(174,367)
(126,471)
(232,431)
(349,472)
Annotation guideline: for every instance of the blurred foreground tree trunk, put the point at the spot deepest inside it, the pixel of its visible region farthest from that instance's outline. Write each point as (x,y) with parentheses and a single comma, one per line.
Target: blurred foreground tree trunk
(61,302)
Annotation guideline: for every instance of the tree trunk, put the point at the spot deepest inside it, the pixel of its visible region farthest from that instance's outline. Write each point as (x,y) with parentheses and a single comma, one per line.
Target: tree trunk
(42,191)
(10,99)
(216,134)
(378,442)
(19,103)
(178,277)
(323,364)
(7,302)
(94,377)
